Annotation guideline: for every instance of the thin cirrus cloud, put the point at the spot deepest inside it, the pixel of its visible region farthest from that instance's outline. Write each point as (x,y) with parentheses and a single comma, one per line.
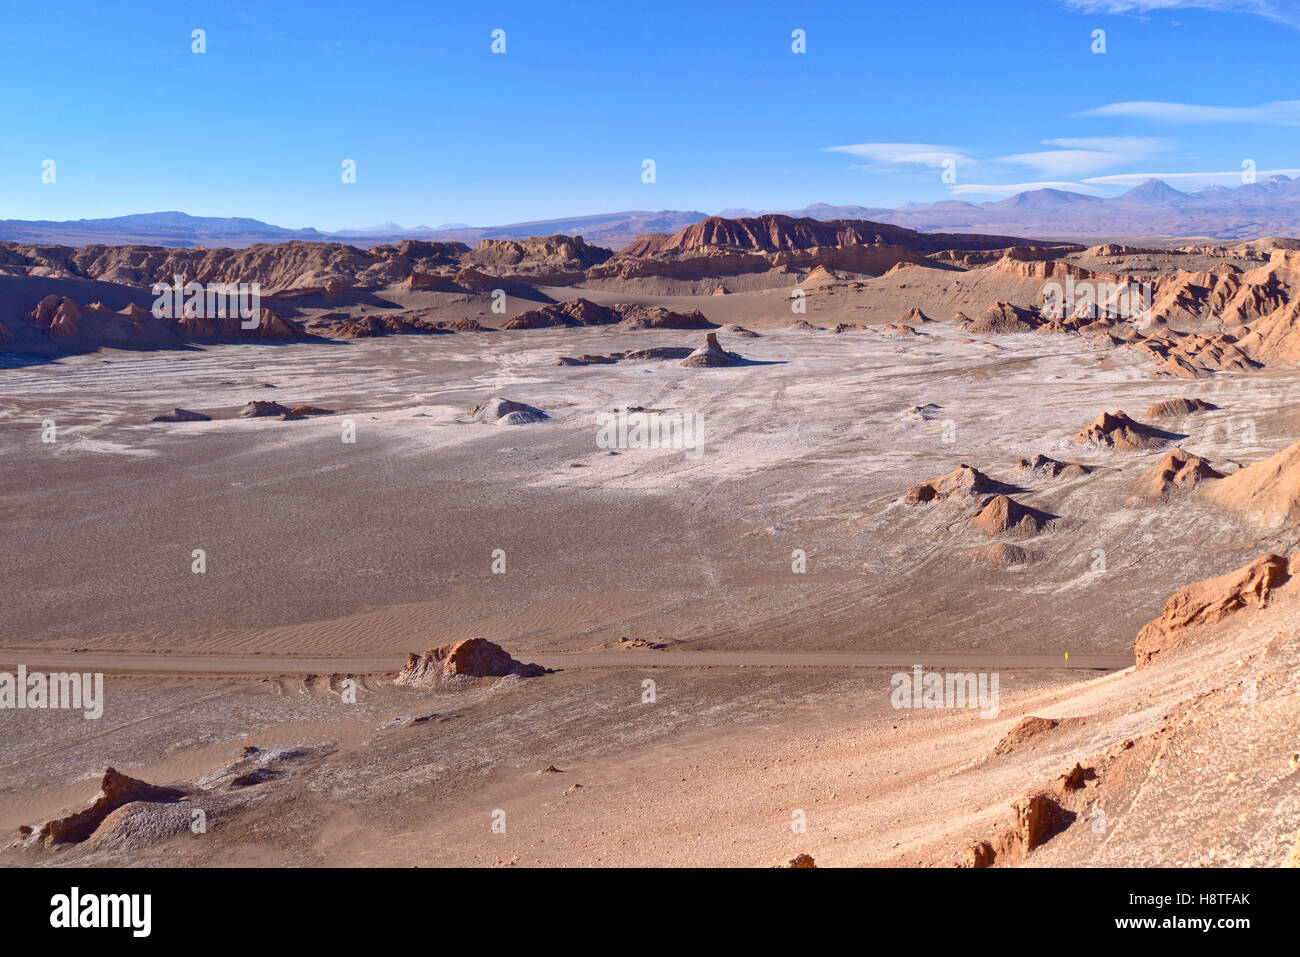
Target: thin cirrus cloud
(1076,156)
(1233,177)
(897,154)
(1282,11)
(1277,113)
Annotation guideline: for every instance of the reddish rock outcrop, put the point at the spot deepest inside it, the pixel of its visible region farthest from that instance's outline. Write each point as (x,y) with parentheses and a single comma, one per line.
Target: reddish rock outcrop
(432,283)
(56,316)
(368,327)
(1173,408)
(463,662)
(1003,515)
(115,790)
(1002,318)
(1115,430)
(657,317)
(574,312)
(1176,471)
(773,232)
(1203,604)
(963,480)
(549,260)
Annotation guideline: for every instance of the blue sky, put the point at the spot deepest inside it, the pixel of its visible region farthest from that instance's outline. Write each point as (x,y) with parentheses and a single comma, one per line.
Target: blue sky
(443,130)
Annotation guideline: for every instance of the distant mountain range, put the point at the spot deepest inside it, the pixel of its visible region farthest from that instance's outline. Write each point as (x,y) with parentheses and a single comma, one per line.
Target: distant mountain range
(1269,207)
(154,229)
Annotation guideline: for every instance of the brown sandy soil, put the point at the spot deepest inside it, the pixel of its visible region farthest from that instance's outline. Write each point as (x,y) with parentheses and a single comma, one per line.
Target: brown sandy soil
(386,544)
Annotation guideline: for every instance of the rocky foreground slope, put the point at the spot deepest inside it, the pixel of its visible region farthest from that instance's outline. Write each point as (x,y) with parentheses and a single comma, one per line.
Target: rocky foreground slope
(1189,759)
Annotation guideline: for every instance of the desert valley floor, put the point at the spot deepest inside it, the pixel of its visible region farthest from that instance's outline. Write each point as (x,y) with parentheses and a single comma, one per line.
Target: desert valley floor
(328,561)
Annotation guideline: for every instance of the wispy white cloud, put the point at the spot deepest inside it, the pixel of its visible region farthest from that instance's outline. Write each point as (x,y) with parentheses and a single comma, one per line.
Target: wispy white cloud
(1088,154)
(1063,162)
(1126,145)
(1277,113)
(918,154)
(1283,11)
(1228,178)
(1008,189)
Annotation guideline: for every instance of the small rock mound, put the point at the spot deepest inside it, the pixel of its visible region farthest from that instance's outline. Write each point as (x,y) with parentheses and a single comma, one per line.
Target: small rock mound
(1003,555)
(1174,408)
(963,481)
(575,312)
(914,315)
(1115,430)
(140,824)
(657,317)
(1047,467)
(1025,731)
(258,409)
(501,411)
(461,663)
(821,276)
(56,316)
(1206,603)
(1003,515)
(181,415)
(802,860)
(115,791)
(926,412)
(711,355)
(1003,318)
(740,332)
(1177,471)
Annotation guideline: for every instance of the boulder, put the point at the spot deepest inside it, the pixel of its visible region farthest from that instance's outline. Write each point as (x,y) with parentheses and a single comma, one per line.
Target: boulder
(258,409)
(181,415)
(463,662)
(501,411)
